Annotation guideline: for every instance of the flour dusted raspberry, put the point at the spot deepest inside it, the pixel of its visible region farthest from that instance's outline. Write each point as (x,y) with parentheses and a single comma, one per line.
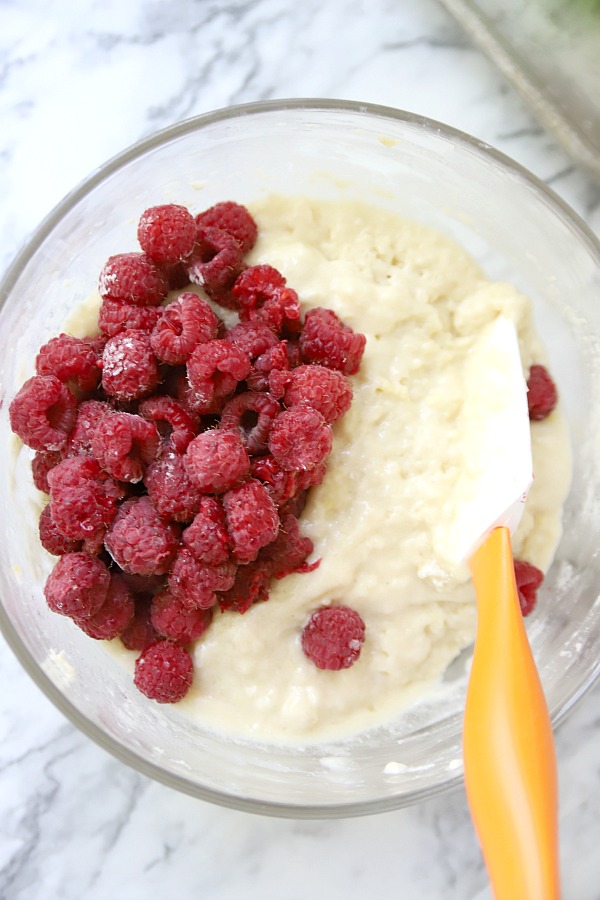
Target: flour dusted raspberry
(251,585)
(140,540)
(175,424)
(326,340)
(167,233)
(333,637)
(273,361)
(528,578)
(124,444)
(164,672)
(232,218)
(175,621)
(185,323)
(41,464)
(170,488)
(216,461)
(129,368)
(289,551)
(89,414)
(43,413)
(140,632)
(254,338)
(50,537)
(207,537)
(133,278)
(74,362)
(115,316)
(252,519)
(194,583)
(263,295)
(83,498)
(216,261)
(214,370)
(542,395)
(250,415)
(326,390)
(282,485)
(114,615)
(300,438)
(77,586)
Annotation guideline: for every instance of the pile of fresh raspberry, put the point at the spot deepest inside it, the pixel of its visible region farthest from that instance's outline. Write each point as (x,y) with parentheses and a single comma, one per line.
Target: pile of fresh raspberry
(177,452)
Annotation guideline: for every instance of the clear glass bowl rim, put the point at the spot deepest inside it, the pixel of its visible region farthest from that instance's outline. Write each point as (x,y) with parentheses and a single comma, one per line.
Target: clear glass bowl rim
(556,206)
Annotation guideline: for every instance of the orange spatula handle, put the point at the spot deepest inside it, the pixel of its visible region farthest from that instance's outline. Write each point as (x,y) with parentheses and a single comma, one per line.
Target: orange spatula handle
(510,765)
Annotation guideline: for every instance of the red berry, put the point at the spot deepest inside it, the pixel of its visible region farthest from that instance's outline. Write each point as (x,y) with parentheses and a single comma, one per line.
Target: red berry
(214,370)
(216,261)
(164,672)
(263,295)
(272,362)
(140,632)
(327,341)
(326,390)
(77,586)
(252,519)
(207,537)
(171,489)
(333,637)
(216,461)
(72,360)
(83,497)
(289,551)
(51,538)
(140,540)
(254,338)
(300,438)
(529,579)
(43,413)
(250,415)
(251,586)
(232,218)
(133,278)
(89,414)
(41,464)
(542,395)
(114,615)
(124,444)
(281,485)
(194,583)
(167,233)
(173,620)
(116,316)
(165,411)
(185,323)
(129,367)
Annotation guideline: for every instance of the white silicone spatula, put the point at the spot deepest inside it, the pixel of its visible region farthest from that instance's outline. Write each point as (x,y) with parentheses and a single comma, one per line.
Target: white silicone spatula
(509,760)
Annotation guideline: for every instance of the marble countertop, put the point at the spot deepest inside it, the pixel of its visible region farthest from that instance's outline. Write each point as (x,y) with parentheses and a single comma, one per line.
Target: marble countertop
(78,83)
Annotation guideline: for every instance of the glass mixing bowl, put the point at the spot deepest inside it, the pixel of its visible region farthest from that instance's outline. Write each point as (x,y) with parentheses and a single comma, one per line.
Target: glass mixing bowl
(515,227)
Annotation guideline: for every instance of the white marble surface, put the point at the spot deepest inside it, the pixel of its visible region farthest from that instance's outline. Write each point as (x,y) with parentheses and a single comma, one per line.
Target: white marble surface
(78,83)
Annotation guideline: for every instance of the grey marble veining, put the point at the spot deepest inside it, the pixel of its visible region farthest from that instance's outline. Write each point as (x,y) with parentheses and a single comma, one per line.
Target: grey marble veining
(79,82)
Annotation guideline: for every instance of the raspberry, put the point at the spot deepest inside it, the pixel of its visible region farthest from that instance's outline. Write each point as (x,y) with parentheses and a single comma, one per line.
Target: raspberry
(216,461)
(251,586)
(542,395)
(171,489)
(207,537)
(164,672)
(50,537)
(185,323)
(173,620)
(326,390)
(114,615)
(333,637)
(41,464)
(163,411)
(140,540)
(216,261)
(294,353)
(311,477)
(77,586)
(167,233)
(129,367)
(289,550)
(194,583)
(124,444)
(300,438)
(274,360)
(254,338)
(252,519)
(327,341)
(83,497)
(133,278)
(140,632)
(72,360)
(263,295)
(89,414)
(528,579)
(232,218)
(250,415)
(43,413)
(281,485)
(115,317)
(214,370)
